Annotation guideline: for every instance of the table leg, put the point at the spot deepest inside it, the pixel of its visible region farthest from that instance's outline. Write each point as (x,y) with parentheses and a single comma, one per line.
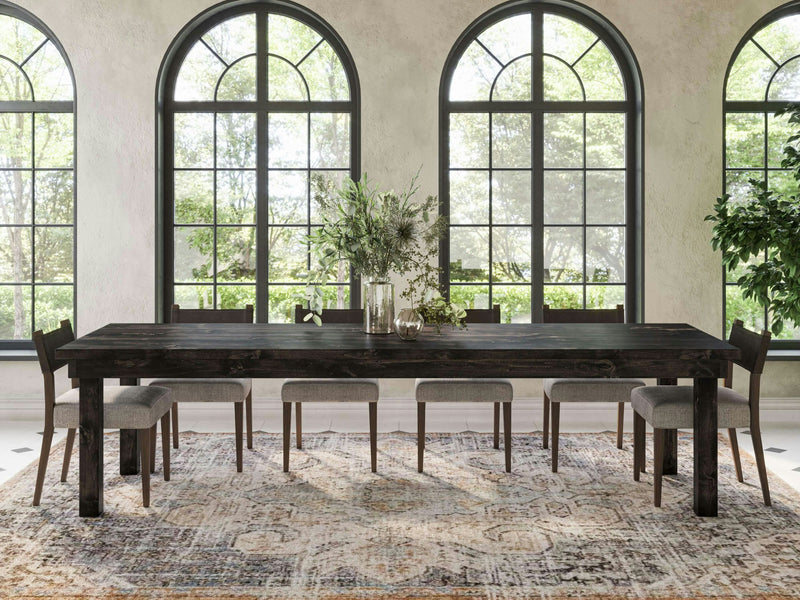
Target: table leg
(705,446)
(128,441)
(670,466)
(91,447)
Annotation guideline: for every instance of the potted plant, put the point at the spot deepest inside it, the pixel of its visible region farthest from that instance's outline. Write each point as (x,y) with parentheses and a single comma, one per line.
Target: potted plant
(767,223)
(377,233)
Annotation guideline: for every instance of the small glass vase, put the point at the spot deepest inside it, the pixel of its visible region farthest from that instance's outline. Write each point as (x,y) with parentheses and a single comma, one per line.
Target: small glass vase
(409,324)
(379,307)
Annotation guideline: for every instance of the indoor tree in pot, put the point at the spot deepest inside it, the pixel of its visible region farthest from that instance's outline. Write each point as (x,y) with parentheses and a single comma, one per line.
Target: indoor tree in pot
(766,223)
(377,233)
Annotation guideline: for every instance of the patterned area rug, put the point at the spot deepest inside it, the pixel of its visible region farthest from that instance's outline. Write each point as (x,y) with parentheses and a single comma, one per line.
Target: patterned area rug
(330,529)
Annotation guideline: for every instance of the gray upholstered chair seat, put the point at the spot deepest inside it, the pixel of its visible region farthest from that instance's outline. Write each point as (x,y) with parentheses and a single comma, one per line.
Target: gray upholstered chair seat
(463,390)
(590,389)
(124,407)
(329,390)
(672,407)
(206,390)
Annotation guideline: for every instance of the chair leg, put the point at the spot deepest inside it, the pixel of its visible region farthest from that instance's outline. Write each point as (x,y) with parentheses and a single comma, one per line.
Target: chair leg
(620,421)
(420,435)
(545,420)
(237,421)
(47,440)
(144,448)
(758,448)
(638,444)
(287,433)
(555,414)
(248,407)
(658,467)
(165,444)
(373,436)
(496,425)
(175,425)
(298,422)
(737,461)
(67,453)
(153,435)
(507,433)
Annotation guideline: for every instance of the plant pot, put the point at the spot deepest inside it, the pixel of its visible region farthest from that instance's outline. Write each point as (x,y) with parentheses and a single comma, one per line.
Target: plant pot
(409,324)
(379,307)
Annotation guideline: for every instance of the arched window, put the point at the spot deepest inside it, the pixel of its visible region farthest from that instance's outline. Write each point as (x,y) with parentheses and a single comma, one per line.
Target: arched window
(37,179)
(540,148)
(257,99)
(763,76)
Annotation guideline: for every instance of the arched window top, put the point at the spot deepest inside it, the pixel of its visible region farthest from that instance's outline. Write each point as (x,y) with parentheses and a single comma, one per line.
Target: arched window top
(498,64)
(31,66)
(222,65)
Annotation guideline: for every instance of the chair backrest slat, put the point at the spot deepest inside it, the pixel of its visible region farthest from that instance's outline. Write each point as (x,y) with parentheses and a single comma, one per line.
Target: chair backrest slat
(753,346)
(205,315)
(352,316)
(483,315)
(583,315)
(47,343)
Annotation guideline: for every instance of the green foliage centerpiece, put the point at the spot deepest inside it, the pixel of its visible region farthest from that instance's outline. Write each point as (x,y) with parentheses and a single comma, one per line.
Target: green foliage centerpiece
(766,224)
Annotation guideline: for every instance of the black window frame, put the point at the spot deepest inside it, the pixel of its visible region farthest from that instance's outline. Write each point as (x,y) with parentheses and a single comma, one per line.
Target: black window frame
(166,107)
(632,106)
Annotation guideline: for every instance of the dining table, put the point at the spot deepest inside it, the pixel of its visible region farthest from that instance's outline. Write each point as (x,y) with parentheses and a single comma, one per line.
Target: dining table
(131,351)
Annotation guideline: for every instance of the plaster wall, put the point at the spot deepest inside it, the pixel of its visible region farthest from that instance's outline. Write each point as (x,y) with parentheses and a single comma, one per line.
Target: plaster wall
(399,49)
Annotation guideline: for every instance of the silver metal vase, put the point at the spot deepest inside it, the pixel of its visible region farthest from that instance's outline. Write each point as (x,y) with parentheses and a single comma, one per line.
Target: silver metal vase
(379,307)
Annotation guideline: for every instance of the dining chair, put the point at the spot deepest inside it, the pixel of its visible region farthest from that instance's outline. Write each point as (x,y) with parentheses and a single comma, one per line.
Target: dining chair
(124,407)
(672,407)
(297,390)
(497,391)
(582,389)
(224,389)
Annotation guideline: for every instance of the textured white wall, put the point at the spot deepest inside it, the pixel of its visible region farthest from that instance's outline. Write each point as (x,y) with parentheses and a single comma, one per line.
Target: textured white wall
(399,48)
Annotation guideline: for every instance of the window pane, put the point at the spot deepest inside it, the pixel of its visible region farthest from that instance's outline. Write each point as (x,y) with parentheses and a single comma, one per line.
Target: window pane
(600,74)
(199,73)
(469,254)
(18,39)
(779,130)
(604,296)
(239,81)
(565,38)
(236,254)
(511,197)
(470,296)
(563,197)
(194,140)
(330,140)
(236,140)
(53,304)
(469,197)
(605,254)
(15,312)
(514,301)
(511,254)
(288,254)
(282,299)
(560,82)
(474,74)
(290,38)
(54,197)
(335,296)
(284,81)
(738,185)
(15,143)
(736,307)
(563,296)
(336,178)
(236,196)
(194,197)
(605,140)
(54,143)
(786,83)
(13,84)
(325,74)
(233,38)
(15,198)
(781,39)
(194,296)
(744,139)
(514,82)
(511,140)
(563,140)
(749,74)
(53,254)
(49,74)
(15,254)
(563,254)
(288,197)
(605,197)
(508,38)
(193,254)
(783,182)
(288,140)
(235,296)
(469,140)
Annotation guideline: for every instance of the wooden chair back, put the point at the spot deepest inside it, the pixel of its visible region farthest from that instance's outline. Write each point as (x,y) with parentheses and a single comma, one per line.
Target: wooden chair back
(46,345)
(753,346)
(205,315)
(583,315)
(353,316)
(483,315)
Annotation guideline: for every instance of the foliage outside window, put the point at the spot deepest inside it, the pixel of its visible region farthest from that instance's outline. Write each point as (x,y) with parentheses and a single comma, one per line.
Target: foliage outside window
(37,179)
(259,102)
(763,78)
(537,165)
